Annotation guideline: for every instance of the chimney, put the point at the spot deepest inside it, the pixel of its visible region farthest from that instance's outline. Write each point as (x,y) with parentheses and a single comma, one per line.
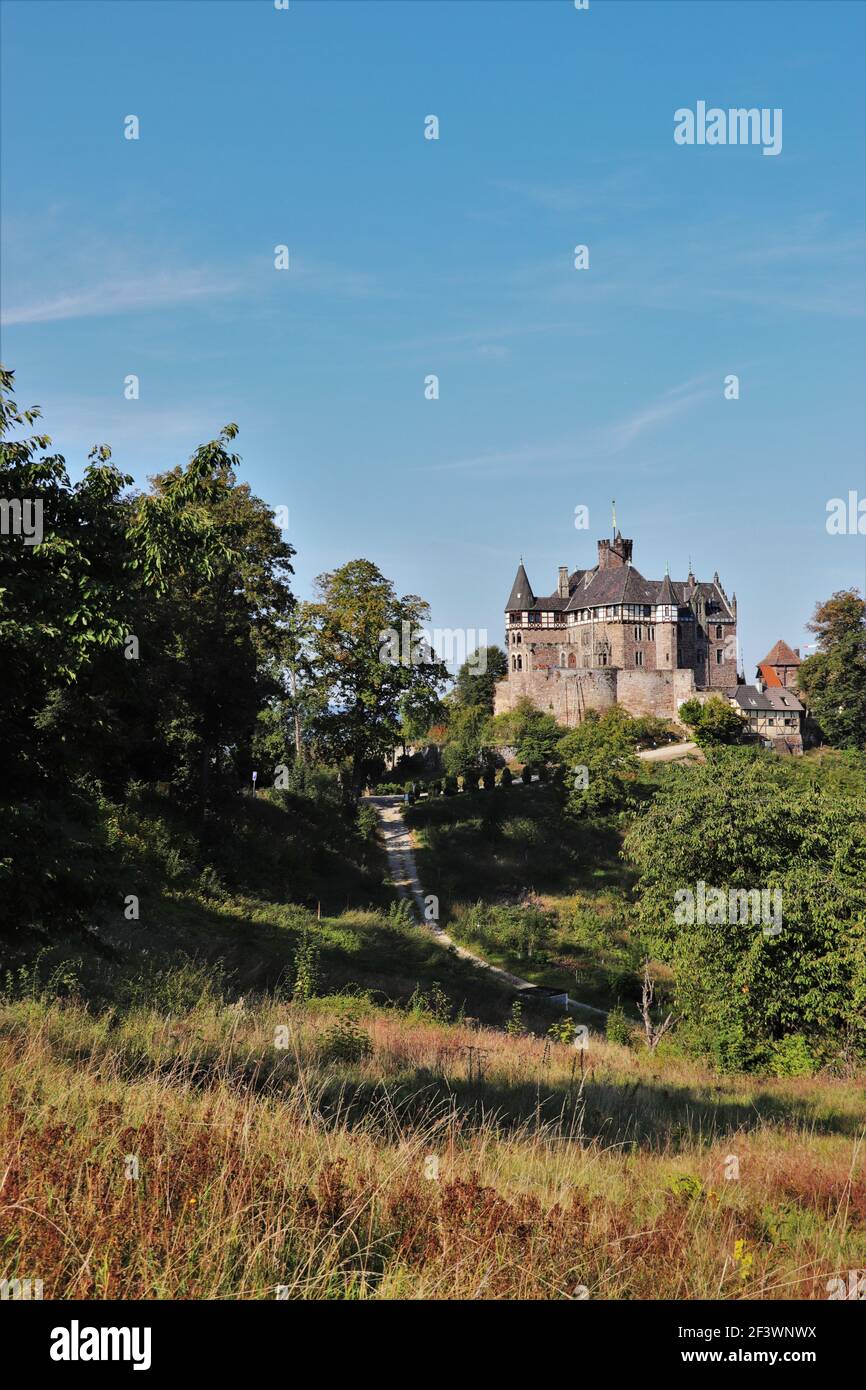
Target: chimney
(796,651)
(563,581)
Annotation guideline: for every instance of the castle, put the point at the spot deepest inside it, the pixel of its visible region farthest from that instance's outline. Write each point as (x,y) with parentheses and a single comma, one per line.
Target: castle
(608,636)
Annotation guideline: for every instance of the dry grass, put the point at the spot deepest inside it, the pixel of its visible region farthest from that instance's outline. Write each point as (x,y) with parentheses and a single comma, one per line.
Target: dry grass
(262,1166)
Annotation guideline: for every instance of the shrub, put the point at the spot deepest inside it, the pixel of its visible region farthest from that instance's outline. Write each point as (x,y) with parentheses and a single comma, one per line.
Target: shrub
(791,1056)
(514,1027)
(506,779)
(368,822)
(433,1003)
(563,1030)
(488,777)
(346,1041)
(306,969)
(526,774)
(618,1028)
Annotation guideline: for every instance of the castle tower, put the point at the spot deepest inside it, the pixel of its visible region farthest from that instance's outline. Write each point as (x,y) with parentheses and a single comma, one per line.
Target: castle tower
(666,614)
(615,553)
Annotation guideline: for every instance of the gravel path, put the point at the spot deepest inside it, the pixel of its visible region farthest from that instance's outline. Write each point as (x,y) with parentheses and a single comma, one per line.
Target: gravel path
(404,874)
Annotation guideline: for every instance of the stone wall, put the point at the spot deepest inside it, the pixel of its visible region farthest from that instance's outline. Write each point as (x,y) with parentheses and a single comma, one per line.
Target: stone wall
(569,694)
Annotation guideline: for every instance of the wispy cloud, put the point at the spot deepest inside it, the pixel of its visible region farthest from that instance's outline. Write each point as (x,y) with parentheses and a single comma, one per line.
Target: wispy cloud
(668,407)
(123,295)
(591,448)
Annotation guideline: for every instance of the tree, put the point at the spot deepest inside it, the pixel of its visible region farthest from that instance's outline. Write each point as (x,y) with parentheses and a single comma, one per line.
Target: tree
(370,656)
(750,970)
(598,761)
(478,675)
(469,749)
(833,680)
(712,721)
(212,616)
(63,600)
(534,735)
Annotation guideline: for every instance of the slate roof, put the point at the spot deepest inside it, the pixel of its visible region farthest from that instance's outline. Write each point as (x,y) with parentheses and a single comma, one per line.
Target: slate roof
(749,697)
(521,596)
(619,584)
(666,593)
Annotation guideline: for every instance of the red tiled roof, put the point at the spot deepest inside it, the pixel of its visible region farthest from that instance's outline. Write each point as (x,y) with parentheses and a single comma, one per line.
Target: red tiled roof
(781,655)
(768,675)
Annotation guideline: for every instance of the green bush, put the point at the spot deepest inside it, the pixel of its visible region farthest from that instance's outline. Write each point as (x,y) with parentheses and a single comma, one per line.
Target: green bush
(563,1030)
(619,1028)
(346,1041)
(791,1056)
(307,975)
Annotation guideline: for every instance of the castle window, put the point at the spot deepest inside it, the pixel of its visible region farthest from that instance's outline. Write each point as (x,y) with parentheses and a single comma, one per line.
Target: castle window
(520,663)
(651,634)
(720,656)
(519,639)
(638,634)
(534,617)
(647,610)
(638,658)
(718,629)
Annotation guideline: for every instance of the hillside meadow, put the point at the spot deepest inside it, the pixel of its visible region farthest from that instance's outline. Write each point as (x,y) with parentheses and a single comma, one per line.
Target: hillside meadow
(258,1149)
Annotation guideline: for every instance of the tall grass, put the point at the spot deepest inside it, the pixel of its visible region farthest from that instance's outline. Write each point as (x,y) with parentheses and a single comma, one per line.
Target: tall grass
(406,1166)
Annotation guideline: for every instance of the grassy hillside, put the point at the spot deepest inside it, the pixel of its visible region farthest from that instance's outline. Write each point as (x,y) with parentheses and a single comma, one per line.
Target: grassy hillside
(526,888)
(232,901)
(372,1156)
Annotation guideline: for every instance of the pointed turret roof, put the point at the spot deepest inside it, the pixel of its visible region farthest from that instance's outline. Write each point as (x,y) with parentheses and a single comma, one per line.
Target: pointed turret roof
(521,596)
(666,593)
(781,655)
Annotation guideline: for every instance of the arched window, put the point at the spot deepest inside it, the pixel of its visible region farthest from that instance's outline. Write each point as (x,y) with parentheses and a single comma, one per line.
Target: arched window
(718,629)
(520,663)
(572,659)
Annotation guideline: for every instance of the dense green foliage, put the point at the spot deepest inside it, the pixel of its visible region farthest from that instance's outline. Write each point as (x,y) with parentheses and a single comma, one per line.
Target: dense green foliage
(712,721)
(833,680)
(742,822)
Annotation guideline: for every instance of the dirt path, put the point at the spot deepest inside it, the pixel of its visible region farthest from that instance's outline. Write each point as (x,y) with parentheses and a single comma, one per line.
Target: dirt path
(404,874)
(670,752)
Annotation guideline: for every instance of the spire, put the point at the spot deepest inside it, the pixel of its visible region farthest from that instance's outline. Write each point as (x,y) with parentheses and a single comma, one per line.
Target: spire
(613,518)
(521,596)
(666,595)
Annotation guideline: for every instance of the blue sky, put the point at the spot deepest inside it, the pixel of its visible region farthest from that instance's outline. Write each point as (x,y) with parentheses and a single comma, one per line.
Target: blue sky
(409,257)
